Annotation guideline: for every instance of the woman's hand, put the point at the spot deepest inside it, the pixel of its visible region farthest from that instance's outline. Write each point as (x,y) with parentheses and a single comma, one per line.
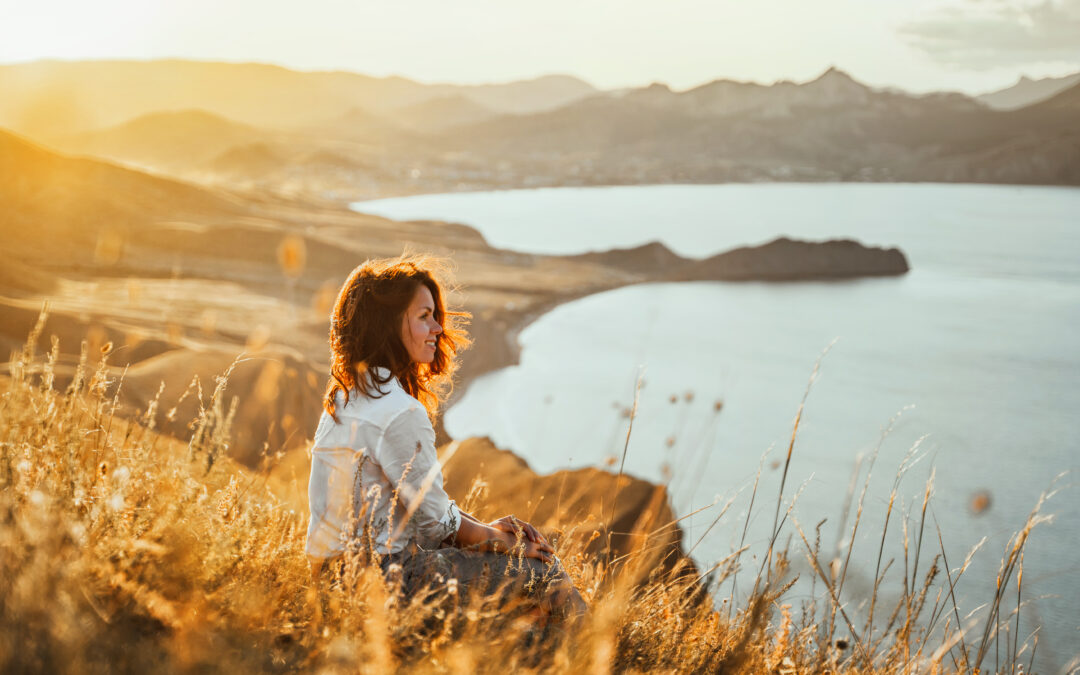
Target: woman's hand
(541,551)
(504,538)
(512,525)
(512,544)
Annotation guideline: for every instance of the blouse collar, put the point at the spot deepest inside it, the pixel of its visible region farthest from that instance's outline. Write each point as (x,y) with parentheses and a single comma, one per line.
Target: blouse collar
(383,374)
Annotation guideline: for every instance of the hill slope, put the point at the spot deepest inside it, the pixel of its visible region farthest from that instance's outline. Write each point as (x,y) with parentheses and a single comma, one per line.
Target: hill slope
(1027,92)
(167,140)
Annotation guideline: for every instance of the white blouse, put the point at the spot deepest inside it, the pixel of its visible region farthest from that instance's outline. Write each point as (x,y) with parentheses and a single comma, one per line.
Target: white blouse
(381,445)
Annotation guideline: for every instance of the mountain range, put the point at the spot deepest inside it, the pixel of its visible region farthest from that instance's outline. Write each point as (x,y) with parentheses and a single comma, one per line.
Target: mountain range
(206,122)
(43,99)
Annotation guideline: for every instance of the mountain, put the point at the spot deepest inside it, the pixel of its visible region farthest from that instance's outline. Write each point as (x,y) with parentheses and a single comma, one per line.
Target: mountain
(832,89)
(442,113)
(328,159)
(1064,102)
(525,96)
(1038,144)
(46,99)
(402,137)
(1028,91)
(165,139)
(723,97)
(831,128)
(831,116)
(248,161)
(361,125)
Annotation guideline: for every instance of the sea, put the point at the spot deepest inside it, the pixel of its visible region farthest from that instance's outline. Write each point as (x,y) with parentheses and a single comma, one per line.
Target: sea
(962,375)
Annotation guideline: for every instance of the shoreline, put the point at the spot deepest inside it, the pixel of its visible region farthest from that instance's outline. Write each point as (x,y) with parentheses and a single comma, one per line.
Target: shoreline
(403,193)
(507,339)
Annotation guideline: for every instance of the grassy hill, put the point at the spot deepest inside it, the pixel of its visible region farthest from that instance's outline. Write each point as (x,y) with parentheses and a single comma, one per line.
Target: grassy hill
(125,549)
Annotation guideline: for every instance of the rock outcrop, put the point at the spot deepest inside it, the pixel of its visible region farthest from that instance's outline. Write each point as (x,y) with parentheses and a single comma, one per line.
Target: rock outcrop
(782,259)
(584,504)
(786,259)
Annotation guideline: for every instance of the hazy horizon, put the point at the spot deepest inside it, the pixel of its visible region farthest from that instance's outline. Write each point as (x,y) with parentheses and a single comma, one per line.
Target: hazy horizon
(929,45)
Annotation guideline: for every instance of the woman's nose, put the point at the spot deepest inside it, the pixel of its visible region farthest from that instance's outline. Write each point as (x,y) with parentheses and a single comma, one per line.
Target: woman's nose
(436,328)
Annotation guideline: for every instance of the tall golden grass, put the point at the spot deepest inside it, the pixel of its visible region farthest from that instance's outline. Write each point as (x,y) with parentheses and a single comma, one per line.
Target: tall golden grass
(125,550)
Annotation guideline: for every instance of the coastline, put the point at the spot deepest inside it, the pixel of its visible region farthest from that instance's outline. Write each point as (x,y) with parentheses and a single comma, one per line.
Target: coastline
(400,193)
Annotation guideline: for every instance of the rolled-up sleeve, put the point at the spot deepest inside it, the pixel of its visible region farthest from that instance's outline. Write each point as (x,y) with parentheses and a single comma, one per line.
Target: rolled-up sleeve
(406,453)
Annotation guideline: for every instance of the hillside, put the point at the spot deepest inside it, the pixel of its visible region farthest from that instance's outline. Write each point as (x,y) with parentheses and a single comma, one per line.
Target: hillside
(442,113)
(165,140)
(249,160)
(55,206)
(525,96)
(182,279)
(129,550)
(362,126)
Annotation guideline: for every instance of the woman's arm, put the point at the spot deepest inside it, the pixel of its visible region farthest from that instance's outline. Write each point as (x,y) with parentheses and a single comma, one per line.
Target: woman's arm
(511,524)
(473,533)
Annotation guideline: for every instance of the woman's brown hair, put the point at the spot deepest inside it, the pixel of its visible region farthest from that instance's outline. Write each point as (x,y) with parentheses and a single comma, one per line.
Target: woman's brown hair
(365,332)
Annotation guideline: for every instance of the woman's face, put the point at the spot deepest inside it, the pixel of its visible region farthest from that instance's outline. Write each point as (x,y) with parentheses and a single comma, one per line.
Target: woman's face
(419,330)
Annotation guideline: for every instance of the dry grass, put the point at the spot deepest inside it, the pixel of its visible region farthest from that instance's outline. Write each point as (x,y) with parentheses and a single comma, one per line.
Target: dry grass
(124,550)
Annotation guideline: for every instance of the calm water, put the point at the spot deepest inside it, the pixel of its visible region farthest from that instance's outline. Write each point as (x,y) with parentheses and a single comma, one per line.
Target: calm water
(977,347)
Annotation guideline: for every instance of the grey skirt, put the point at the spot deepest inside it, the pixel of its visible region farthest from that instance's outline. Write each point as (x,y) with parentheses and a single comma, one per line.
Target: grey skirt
(506,578)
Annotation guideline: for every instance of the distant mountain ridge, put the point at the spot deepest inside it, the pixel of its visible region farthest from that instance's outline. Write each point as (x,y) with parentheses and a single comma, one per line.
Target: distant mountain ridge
(707,117)
(44,99)
(1028,91)
(395,136)
(832,128)
(164,139)
(443,113)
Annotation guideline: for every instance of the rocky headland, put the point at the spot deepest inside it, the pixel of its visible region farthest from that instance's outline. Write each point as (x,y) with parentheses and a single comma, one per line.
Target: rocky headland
(781,259)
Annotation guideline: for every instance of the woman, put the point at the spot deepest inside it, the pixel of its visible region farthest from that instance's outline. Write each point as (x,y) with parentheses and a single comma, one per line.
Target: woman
(376,486)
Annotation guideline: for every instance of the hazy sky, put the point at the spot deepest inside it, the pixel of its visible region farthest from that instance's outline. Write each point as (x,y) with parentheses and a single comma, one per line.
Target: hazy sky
(918,45)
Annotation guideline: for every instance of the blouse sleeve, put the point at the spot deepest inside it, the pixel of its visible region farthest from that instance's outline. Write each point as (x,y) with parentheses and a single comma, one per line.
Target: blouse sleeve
(406,453)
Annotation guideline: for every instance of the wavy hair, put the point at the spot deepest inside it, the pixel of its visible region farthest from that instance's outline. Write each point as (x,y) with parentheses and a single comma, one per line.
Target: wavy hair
(365,332)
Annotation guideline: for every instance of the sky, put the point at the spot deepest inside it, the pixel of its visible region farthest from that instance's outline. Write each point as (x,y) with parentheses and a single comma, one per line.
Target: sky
(972,46)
